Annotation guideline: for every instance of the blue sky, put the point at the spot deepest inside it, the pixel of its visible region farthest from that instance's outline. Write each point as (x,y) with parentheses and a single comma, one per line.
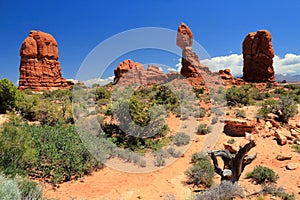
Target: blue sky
(79,26)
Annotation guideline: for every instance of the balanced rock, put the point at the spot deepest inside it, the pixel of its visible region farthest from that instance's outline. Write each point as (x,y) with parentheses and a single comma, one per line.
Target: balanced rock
(258,56)
(184,36)
(39,66)
(191,66)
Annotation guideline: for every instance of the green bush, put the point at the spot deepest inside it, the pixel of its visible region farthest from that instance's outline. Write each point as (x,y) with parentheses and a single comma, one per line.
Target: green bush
(17,151)
(297,147)
(231,141)
(200,156)
(203,129)
(9,96)
(284,108)
(239,96)
(181,139)
(202,172)
(102,93)
(262,175)
(54,153)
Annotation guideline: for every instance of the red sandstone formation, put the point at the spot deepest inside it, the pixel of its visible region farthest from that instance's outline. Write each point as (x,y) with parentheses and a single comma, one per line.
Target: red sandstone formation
(258,56)
(39,66)
(238,128)
(129,72)
(225,74)
(184,36)
(191,66)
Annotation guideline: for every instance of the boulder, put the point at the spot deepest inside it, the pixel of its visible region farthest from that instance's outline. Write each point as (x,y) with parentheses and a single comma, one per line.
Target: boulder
(282,158)
(238,128)
(281,139)
(258,57)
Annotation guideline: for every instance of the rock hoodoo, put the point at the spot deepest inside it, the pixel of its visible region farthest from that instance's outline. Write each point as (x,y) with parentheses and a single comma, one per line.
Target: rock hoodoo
(130,72)
(191,66)
(258,56)
(39,66)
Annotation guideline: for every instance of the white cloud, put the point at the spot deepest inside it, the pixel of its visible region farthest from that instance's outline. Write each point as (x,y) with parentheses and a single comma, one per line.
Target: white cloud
(234,62)
(179,65)
(289,64)
(170,69)
(99,81)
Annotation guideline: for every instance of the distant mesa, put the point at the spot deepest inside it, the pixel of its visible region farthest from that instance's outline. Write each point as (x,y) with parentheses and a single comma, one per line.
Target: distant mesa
(39,66)
(258,56)
(129,72)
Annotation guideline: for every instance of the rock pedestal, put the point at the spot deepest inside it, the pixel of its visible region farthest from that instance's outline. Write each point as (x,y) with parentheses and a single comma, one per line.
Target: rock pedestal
(39,66)
(258,56)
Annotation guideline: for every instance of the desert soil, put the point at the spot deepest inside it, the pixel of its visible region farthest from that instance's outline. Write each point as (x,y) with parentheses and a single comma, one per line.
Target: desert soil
(108,183)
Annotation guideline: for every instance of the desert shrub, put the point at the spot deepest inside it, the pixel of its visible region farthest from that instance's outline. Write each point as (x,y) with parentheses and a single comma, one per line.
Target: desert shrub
(198,92)
(102,93)
(159,160)
(200,156)
(284,108)
(224,191)
(200,113)
(239,96)
(202,172)
(297,147)
(9,96)
(19,188)
(214,120)
(170,197)
(262,175)
(240,113)
(9,189)
(180,139)
(257,95)
(231,141)
(277,191)
(17,150)
(217,111)
(29,189)
(55,153)
(175,154)
(203,129)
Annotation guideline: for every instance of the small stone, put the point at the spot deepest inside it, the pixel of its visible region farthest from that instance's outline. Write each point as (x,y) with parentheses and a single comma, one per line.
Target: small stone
(282,158)
(292,166)
(268,124)
(295,134)
(282,140)
(248,136)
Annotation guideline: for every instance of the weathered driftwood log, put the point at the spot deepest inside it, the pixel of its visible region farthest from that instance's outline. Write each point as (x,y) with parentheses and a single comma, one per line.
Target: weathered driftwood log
(234,164)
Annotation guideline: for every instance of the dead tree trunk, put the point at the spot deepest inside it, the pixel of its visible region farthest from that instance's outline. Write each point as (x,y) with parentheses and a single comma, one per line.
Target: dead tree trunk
(234,164)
